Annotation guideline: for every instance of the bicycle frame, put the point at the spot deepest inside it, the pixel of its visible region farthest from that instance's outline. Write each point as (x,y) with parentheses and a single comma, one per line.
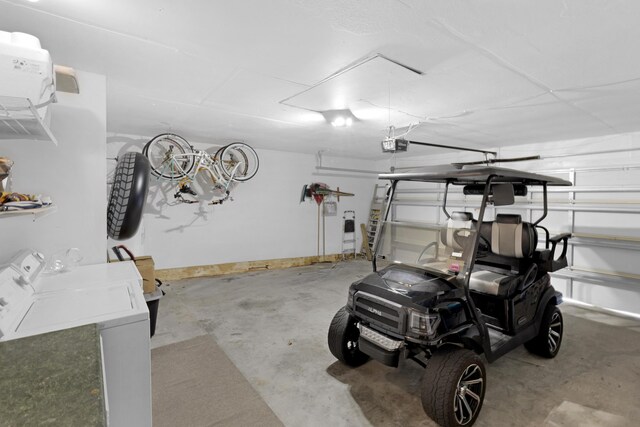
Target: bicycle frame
(202,161)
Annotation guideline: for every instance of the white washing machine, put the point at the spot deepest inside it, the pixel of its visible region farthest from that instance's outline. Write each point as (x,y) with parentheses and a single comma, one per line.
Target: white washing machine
(31,304)
(88,276)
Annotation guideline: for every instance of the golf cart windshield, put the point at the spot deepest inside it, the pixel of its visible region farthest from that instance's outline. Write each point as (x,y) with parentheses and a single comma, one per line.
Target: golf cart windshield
(447,245)
(446,248)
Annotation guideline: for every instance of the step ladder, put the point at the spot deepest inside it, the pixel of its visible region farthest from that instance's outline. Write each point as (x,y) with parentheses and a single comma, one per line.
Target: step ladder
(369,232)
(348,234)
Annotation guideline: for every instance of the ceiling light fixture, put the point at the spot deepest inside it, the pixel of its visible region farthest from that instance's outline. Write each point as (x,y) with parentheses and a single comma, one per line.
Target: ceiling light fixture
(339,118)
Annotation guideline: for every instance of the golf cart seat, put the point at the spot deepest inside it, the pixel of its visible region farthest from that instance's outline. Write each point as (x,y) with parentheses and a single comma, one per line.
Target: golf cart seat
(509,268)
(457,221)
(451,238)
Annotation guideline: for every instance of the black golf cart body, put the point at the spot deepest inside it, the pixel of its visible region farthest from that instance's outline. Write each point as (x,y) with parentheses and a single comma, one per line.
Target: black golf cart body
(476,285)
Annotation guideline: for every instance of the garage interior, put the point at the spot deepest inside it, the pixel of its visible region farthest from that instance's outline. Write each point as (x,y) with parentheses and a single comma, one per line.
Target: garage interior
(251,282)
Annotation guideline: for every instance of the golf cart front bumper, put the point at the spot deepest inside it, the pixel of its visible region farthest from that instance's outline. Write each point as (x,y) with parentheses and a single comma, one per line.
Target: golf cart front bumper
(380,347)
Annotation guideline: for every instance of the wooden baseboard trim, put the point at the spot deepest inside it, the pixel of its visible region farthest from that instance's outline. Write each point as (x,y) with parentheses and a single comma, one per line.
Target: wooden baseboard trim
(167,274)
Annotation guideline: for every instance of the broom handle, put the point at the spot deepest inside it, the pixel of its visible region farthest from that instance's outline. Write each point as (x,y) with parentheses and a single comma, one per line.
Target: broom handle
(323,232)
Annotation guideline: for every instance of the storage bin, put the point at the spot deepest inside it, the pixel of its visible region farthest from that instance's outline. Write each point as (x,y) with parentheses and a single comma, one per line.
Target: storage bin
(145,266)
(153,303)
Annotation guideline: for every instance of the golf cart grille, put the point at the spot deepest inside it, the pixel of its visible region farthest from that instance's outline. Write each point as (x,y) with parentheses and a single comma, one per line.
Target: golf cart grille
(380,312)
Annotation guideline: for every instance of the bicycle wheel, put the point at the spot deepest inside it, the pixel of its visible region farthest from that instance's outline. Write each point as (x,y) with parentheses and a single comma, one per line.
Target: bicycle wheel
(241,158)
(168,156)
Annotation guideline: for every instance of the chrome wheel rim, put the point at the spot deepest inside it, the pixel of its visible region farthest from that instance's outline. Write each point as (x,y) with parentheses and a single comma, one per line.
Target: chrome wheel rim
(468,397)
(352,336)
(555,332)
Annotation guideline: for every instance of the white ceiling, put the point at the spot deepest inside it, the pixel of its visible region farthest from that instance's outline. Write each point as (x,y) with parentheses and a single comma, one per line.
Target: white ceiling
(495,72)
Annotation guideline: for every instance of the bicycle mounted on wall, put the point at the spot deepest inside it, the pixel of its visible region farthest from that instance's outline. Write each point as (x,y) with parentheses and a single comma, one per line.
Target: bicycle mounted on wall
(173,159)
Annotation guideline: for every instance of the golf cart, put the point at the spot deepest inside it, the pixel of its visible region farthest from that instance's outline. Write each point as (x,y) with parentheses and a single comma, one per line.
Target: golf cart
(449,293)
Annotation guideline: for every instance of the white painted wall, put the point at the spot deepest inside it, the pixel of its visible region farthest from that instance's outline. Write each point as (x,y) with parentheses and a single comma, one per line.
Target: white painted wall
(72,173)
(264,221)
(619,174)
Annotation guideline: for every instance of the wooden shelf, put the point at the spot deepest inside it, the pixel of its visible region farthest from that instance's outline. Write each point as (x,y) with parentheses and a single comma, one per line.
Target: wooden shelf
(36,212)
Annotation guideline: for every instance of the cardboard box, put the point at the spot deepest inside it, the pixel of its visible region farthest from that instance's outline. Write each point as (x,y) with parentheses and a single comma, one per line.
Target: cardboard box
(144,264)
(146,267)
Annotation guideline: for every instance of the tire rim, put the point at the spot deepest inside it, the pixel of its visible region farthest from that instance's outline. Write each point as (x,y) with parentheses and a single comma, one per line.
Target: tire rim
(555,332)
(467,399)
(352,339)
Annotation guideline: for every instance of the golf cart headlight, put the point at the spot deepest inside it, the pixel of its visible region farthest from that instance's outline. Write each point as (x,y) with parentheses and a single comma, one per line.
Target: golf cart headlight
(423,323)
(352,292)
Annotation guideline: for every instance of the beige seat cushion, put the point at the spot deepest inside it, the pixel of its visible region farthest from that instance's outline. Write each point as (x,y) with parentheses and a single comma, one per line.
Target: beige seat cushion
(486,282)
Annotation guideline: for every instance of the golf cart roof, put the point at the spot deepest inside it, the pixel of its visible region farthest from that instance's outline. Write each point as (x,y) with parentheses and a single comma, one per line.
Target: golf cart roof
(472,175)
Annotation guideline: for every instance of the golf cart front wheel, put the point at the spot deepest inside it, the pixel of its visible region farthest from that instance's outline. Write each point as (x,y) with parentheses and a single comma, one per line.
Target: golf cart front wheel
(343,339)
(547,342)
(453,387)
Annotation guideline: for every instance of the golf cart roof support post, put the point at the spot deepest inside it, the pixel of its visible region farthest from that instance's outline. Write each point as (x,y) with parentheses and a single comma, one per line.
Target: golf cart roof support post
(482,328)
(444,200)
(382,220)
(544,202)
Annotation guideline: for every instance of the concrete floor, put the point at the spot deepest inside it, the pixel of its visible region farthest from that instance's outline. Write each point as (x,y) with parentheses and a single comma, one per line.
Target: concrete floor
(273,325)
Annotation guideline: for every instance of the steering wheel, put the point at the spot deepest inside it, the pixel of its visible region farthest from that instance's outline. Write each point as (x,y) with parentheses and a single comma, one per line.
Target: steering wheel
(484,247)
(426,248)
(461,236)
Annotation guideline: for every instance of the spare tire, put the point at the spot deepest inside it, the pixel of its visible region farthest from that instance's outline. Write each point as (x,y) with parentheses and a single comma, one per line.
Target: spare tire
(128,195)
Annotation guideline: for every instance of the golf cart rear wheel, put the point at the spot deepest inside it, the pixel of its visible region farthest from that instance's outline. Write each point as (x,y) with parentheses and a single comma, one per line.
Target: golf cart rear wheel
(343,339)
(453,387)
(547,343)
